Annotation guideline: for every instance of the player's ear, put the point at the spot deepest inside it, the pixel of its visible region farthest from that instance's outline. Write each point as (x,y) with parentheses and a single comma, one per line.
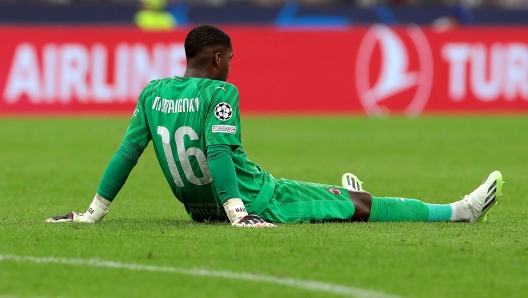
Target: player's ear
(217,58)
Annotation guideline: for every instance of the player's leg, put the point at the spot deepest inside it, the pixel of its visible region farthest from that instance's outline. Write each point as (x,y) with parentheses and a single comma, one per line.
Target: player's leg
(362,200)
(472,207)
(298,201)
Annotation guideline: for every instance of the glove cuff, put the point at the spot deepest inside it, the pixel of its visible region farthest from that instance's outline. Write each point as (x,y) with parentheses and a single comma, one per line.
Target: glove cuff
(97,210)
(235,210)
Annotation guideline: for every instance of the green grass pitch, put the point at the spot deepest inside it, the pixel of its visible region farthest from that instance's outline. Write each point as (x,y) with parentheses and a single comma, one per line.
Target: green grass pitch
(148,247)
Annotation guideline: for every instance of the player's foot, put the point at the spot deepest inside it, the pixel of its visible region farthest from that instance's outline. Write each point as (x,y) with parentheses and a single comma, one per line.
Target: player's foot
(351,182)
(484,197)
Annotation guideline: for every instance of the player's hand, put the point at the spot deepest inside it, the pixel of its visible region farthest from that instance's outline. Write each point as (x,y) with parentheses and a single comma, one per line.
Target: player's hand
(238,216)
(96,211)
(71,217)
(253,221)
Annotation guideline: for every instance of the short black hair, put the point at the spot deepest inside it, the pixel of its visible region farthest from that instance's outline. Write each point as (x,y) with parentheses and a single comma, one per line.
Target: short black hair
(204,36)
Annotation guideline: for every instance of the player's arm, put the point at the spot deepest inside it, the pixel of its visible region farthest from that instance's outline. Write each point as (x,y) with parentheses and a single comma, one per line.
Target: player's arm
(222,131)
(117,171)
(224,177)
(114,177)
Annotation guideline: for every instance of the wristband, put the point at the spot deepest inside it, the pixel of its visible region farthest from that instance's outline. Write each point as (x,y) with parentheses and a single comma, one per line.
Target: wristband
(235,210)
(97,209)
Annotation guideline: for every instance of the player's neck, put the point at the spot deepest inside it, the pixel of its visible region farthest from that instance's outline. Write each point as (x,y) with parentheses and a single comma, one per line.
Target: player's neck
(196,73)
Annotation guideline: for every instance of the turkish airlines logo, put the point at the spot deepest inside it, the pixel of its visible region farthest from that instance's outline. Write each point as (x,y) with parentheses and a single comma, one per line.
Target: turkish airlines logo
(396,77)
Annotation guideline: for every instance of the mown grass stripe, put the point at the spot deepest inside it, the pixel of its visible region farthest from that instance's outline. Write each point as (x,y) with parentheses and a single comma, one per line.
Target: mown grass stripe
(291,282)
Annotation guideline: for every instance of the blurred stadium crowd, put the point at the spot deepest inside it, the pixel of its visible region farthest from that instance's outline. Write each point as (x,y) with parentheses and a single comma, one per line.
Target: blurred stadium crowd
(169,14)
(359,3)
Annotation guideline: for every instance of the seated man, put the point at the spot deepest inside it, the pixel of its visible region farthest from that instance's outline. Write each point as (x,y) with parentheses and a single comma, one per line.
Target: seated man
(194,124)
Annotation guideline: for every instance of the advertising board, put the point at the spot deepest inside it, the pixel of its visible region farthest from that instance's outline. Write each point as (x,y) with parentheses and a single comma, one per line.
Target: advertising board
(360,70)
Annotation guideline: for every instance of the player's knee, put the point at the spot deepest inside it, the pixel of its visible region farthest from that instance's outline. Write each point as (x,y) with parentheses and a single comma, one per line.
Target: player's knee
(362,201)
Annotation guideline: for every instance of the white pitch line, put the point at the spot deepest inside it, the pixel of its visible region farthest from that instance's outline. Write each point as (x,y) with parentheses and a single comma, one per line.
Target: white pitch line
(291,282)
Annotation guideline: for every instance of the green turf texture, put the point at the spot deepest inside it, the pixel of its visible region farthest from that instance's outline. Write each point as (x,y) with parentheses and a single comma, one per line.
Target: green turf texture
(52,166)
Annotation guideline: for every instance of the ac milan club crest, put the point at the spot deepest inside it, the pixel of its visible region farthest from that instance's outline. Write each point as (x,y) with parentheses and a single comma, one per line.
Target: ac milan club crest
(334,190)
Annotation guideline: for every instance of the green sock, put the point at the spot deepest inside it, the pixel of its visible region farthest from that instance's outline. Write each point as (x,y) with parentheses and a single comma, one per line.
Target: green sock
(398,209)
(439,212)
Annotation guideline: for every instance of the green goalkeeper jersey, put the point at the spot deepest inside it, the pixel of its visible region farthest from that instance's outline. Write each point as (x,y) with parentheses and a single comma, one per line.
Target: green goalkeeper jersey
(183,117)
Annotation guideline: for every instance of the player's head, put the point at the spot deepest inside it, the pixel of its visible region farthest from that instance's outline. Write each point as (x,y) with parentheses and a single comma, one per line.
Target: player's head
(208,50)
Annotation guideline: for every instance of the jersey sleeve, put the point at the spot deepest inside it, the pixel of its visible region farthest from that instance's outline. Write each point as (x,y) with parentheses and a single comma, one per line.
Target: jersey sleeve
(138,131)
(223,172)
(222,124)
(136,138)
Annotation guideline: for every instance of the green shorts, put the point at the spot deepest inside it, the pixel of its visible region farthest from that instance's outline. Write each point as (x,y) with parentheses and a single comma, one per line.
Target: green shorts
(297,201)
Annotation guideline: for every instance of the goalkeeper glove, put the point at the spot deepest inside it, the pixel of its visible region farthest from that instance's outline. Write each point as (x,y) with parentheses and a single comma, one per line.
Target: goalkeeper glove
(238,216)
(72,217)
(95,212)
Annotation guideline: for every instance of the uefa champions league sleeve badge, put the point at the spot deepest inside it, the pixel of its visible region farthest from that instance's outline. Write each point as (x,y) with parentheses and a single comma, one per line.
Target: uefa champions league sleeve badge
(223,111)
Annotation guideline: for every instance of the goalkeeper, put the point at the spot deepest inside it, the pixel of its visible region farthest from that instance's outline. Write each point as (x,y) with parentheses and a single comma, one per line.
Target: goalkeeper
(194,124)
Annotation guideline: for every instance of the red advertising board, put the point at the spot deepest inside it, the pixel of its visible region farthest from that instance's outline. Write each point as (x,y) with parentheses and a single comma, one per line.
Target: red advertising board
(373,70)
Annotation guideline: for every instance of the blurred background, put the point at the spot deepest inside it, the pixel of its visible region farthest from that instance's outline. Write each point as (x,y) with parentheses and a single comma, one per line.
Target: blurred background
(371,56)
(313,12)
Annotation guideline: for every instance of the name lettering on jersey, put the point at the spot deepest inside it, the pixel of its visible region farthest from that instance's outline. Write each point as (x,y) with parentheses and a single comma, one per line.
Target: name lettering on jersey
(204,209)
(202,205)
(173,106)
(224,129)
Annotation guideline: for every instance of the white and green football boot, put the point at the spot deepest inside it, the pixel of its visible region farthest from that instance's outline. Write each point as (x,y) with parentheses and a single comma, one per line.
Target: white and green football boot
(351,182)
(481,200)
